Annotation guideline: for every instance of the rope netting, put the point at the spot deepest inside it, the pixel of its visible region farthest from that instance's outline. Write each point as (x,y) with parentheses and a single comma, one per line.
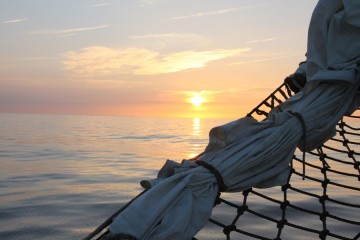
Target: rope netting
(325,205)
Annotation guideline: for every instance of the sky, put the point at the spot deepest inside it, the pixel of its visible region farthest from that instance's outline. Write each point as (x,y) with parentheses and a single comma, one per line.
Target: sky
(158,58)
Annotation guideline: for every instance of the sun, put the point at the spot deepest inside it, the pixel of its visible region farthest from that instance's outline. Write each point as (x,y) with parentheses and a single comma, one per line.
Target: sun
(197,100)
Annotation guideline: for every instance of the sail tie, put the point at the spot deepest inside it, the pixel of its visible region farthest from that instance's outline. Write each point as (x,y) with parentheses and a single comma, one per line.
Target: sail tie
(303,125)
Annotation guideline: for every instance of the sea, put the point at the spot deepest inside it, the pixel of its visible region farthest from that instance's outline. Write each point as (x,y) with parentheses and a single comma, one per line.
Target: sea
(61,176)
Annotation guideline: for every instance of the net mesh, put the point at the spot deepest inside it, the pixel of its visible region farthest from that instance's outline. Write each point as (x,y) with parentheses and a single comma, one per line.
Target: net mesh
(325,205)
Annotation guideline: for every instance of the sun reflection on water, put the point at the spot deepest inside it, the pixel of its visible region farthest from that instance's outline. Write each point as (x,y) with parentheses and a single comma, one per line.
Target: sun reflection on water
(196,126)
(196,146)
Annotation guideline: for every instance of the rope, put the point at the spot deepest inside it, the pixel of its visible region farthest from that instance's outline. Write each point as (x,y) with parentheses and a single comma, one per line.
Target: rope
(340,152)
(337,151)
(109,220)
(213,170)
(219,179)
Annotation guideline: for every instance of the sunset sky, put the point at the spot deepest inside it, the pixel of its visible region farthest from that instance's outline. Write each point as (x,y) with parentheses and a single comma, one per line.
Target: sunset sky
(168,58)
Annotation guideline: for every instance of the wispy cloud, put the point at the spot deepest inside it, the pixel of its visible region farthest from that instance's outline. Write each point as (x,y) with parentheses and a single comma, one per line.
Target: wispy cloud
(26,59)
(203,14)
(168,40)
(145,3)
(163,35)
(65,31)
(217,12)
(100,5)
(16,20)
(265,59)
(34,58)
(99,60)
(262,40)
(209,96)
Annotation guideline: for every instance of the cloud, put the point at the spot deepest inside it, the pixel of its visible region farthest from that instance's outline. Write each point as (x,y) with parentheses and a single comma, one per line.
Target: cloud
(16,20)
(15,60)
(34,59)
(217,12)
(208,93)
(65,31)
(99,60)
(210,96)
(203,14)
(145,3)
(168,40)
(164,35)
(265,59)
(263,40)
(100,5)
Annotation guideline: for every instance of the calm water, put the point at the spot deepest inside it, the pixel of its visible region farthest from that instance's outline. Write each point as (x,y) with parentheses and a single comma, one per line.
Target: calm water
(61,176)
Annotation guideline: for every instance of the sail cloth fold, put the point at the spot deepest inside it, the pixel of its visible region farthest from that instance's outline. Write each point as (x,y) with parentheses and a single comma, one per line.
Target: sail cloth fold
(248,153)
